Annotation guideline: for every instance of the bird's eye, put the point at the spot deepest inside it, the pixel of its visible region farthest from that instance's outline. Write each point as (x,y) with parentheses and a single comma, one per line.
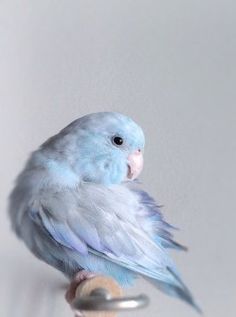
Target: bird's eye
(117,140)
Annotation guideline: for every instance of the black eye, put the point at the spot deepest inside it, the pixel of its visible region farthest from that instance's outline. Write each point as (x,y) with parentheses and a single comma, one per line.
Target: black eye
(117,140)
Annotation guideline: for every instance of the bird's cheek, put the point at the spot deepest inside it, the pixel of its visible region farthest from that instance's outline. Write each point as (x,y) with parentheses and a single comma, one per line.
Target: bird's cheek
(135,164)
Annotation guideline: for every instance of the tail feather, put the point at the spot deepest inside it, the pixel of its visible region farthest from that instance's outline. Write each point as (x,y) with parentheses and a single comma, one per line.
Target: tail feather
(179,290)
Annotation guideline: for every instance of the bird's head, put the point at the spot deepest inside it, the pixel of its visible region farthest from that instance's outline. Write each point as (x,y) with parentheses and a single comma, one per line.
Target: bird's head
(108,147)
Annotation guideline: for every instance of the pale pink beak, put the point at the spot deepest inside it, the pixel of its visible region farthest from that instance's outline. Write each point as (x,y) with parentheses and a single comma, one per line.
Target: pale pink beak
(135,164)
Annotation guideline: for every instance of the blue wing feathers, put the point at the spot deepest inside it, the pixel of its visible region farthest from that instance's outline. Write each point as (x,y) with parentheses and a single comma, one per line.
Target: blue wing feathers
(122,237)
(163,235)
(62,233)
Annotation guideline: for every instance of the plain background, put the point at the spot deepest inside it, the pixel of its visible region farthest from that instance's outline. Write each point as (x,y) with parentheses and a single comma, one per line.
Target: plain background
(170,65)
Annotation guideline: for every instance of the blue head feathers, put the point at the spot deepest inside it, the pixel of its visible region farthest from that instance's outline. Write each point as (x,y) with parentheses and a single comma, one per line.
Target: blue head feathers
(97,146)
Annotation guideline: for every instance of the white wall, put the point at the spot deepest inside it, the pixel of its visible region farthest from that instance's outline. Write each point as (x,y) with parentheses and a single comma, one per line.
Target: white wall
(168,64)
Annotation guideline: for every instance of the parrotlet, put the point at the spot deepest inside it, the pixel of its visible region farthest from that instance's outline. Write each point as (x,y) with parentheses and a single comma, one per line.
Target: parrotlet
(79,207)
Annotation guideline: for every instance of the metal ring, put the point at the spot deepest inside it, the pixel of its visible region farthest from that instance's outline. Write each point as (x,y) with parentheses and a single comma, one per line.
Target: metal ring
(100,300)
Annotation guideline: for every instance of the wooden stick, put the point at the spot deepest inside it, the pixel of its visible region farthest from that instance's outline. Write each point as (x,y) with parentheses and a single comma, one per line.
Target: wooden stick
(85,288)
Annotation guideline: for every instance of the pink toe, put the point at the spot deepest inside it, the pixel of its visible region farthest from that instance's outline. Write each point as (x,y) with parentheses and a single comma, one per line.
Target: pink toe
(79,277)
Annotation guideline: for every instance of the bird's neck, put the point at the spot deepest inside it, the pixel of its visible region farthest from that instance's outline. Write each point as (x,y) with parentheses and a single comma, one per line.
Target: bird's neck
(102,168)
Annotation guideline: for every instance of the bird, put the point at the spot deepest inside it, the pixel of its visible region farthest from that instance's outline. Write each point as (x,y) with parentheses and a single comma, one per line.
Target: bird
(79,206)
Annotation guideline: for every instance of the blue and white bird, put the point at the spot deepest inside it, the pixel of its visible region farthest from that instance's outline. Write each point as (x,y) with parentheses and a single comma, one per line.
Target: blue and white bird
(78,207)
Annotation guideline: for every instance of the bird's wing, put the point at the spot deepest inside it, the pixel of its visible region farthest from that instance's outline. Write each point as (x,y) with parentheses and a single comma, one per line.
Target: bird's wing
(117,229)
(114,222)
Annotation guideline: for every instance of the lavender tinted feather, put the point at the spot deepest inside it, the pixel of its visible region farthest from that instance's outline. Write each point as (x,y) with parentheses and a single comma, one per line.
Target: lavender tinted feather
(162,228)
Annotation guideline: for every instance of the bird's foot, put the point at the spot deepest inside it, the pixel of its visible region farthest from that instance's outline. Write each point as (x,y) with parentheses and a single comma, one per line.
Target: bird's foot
(78,278)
